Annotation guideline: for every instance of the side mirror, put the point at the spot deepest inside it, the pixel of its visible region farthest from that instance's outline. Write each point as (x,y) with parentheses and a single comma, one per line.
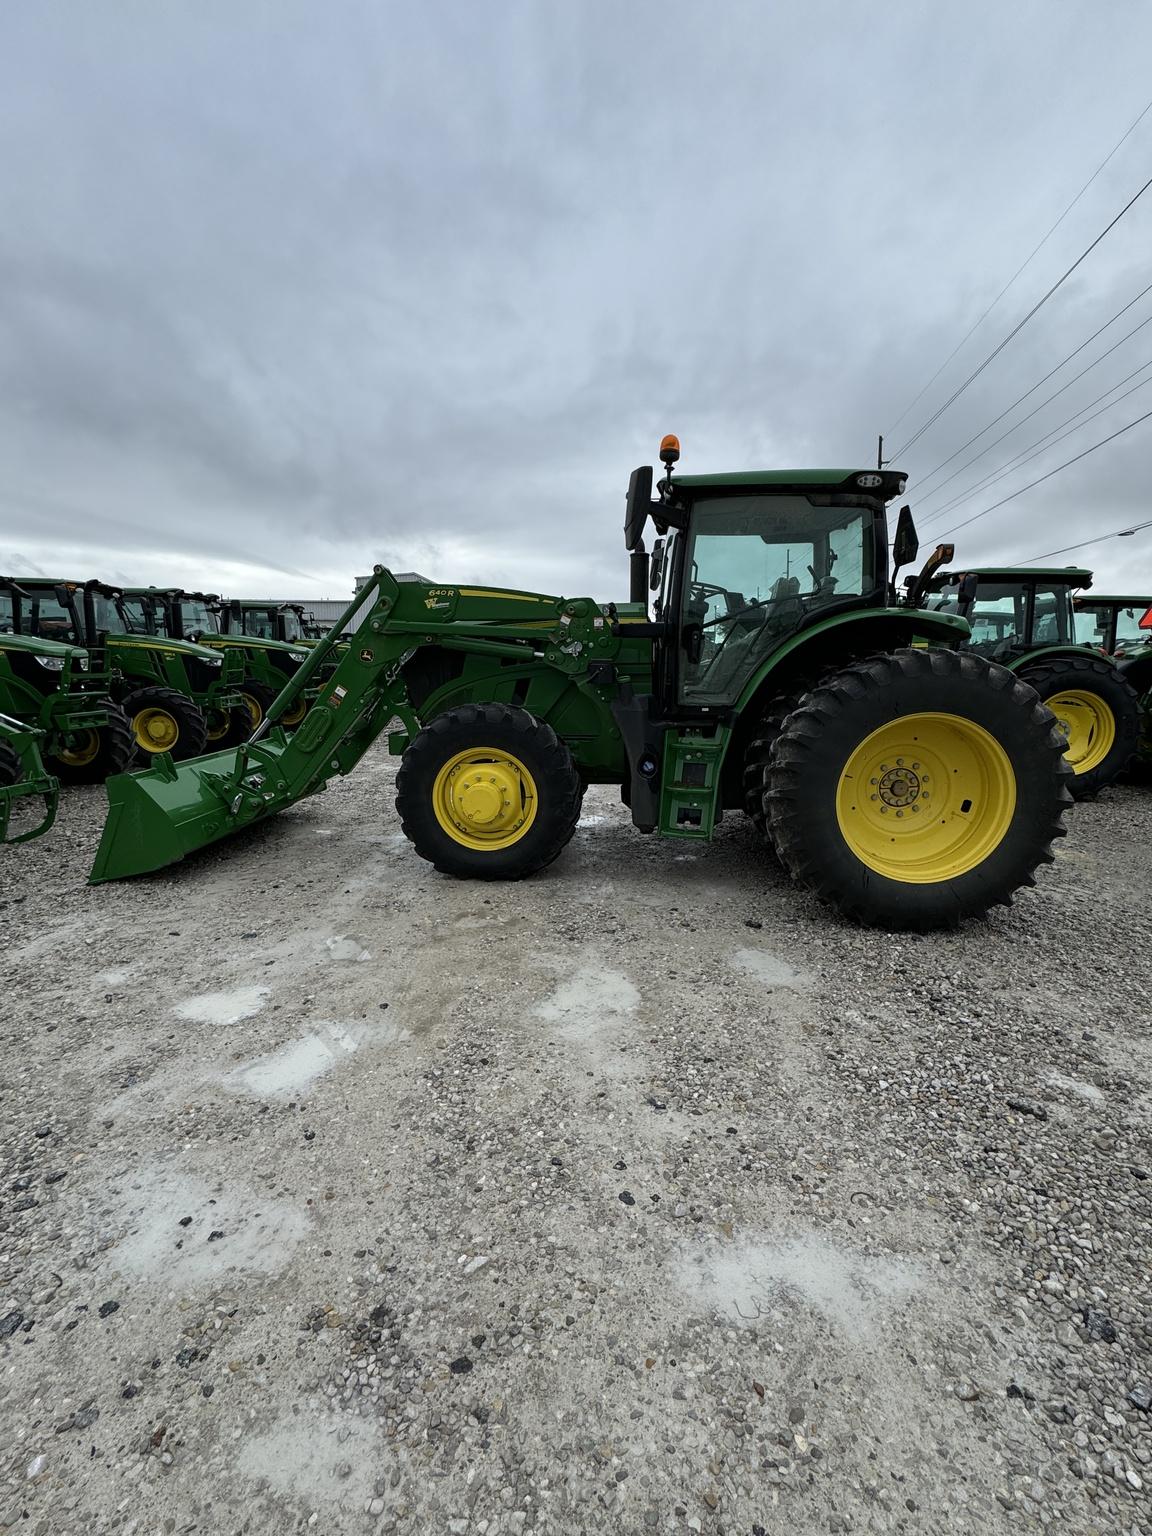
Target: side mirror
(906,545)
(656,575)
(966,593)
(637,505)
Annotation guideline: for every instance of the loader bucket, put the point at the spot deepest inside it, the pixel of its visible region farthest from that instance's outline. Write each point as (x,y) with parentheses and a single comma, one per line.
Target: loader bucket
(162,814)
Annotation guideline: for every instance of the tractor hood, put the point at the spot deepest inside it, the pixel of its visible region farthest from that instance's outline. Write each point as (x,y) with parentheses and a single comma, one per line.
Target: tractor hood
(32,645)
(250,643)
(159,644)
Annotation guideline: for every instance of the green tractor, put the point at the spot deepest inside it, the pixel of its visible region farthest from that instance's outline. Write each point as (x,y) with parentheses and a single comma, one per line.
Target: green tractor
(1024,618)
(1122,626)
(178,697)
(50,689)
(263,665)
(23,776)
(908,788)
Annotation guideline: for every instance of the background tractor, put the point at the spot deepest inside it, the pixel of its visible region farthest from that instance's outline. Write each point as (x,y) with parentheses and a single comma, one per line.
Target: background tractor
(1024,618)
(1123,627)
(263,665)
(907,787)
(176,695)
(23,776)
(51,688)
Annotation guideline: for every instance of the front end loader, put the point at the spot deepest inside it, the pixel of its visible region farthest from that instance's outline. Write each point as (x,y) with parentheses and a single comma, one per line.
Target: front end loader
(24,777)
(907,787)
(1024,617)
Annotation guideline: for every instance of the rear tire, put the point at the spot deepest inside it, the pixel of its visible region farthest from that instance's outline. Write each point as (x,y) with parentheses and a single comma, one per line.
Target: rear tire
(227,728)
(915,789)
(758,756)
(258,698)
(11,770)
(163,720)
(1097,709)
(93,756)
(488,792)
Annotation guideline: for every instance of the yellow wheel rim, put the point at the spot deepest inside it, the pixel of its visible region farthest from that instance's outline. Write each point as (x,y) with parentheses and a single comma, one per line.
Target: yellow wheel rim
(217,724)
(86,748)
(155,730)
(1088,724)
(295,715)
(926,798)
(255,712)
(485,799)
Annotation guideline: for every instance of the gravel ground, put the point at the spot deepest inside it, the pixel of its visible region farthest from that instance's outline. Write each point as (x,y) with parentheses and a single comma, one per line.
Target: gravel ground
(643,1196)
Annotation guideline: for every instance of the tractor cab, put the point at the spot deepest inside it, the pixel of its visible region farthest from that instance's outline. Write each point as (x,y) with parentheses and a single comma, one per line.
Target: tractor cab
(1121,626)
(1012,610)
(749,564)
(265,620)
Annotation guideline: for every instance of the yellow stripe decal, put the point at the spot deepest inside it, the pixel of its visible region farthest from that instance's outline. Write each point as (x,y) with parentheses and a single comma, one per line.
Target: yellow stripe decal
(511,597)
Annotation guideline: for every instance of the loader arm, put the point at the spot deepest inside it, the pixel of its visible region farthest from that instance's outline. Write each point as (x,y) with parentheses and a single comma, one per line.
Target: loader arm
(168,811)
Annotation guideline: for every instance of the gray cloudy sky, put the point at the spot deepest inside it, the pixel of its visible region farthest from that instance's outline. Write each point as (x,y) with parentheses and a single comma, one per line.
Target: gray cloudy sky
(288,288)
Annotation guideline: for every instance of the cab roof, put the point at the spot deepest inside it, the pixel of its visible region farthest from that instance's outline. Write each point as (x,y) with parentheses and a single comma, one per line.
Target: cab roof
(1103,599)
(1069,575)
(884,482)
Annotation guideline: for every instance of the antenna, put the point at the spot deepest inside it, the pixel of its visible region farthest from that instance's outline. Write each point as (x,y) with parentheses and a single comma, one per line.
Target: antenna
(880,451)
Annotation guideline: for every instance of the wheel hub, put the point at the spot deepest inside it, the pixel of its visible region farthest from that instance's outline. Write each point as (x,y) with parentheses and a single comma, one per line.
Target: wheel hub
(899,786)
(485,798)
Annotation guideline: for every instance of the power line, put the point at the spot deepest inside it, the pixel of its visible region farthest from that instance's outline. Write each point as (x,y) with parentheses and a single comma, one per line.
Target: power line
(1117,533)
(1013,494)
(1016,329)
(1008,409)
(1035,252)
(1026,453)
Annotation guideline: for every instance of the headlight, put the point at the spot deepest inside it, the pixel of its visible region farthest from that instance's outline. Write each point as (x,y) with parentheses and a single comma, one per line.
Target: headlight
(212,661)
(51,663)
(298,655)
(82,663)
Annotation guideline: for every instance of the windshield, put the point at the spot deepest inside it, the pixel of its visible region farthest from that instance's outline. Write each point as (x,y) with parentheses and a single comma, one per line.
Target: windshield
(1128,631)
(259,623)
(999,615)
(293,629)
(1092,625)
(50,619)
(109,619)
(138,615)
(757,567)
(7,617)
(200,619)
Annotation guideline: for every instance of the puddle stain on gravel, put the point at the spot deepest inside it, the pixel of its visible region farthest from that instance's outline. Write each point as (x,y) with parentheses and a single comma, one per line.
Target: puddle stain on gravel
(337,1466)
(346,947)
(587,1001)
(295,1066)
(771,970)
(751,1281)
(224,1007)
(230,1229)
(1078,1086)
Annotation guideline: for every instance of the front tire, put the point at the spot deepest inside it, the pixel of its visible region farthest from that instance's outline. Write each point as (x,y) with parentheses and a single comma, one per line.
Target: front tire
(488,792)
(258,698)
(11,771)
(90,757)
(163,720)
(227,728)
(918,788)
(1098,713)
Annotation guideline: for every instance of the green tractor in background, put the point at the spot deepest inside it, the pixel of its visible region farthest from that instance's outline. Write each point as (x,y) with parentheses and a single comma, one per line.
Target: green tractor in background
(908,788)
(1122,626)
(1024,619)
(263,665)
(266,620)
(23,776)
(50,689)
(178,697)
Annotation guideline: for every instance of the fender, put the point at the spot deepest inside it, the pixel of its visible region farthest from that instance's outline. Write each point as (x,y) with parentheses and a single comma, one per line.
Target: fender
(1055,652)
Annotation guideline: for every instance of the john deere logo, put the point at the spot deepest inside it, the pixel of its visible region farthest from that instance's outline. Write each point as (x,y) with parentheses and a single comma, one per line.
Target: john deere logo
(365,655)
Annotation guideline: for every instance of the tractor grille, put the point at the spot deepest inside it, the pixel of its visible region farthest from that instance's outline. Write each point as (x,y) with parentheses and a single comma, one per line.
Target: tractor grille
(201,676)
